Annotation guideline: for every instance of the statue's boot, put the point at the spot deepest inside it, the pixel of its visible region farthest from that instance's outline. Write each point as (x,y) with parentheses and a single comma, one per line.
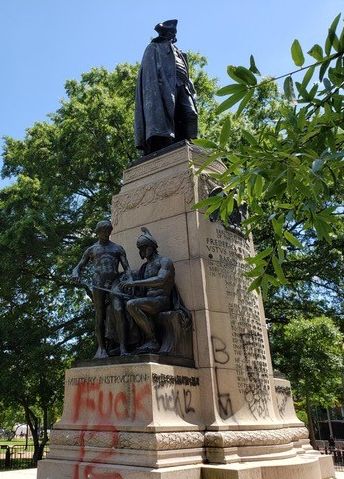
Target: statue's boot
(101,354)
(151,346)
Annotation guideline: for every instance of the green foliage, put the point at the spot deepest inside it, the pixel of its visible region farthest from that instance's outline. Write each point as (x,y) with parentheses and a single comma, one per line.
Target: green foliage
(310,352)
(67,170)
(9,416)
(293,164)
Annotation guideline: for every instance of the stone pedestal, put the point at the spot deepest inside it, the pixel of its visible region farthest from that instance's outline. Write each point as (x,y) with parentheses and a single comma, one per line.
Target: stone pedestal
(226,418)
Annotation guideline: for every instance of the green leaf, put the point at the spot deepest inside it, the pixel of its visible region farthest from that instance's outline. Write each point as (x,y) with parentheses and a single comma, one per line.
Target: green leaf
(255,284)
(278,270)
(334,24)
(223,212)
(204,143)
(281,253)
(232,100)
(248,137)
(272,280)
(216,205)
(341,40)
(258,186)
(313,91)
(292,239)
(234,88)
(242,75)
(244,102)
(288,87)
(335,42)
(302,91)
(308,76)
(327,84)
(277,225)
(316,52)
(203,203)
(229,205)
(278,185)
(322,228)
(208,161)
(257,271)
(225,131)
(263,254)
(253,66)
(286,206)
(231,70)
(264,287)
(259,257)
(323,69)
(297,54)
(335,76)
(332,39)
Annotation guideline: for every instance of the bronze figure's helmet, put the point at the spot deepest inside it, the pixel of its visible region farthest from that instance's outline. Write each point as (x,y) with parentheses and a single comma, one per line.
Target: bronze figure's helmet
(146,239)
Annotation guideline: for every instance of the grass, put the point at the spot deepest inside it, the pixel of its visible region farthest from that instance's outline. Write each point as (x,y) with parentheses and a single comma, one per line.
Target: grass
(15,442)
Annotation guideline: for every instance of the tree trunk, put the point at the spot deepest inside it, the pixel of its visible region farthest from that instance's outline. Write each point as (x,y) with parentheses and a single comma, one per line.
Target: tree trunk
(32,421)
(310,423)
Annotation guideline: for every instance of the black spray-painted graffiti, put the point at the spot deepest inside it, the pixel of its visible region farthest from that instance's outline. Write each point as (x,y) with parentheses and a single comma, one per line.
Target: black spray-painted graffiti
(176,401)
(220,353)
(257,390)
(221,356)
(283,394)
(162,380)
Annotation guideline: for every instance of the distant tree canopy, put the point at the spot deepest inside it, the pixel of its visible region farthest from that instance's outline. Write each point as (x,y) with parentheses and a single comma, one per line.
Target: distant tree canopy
(310,352)
(67,170)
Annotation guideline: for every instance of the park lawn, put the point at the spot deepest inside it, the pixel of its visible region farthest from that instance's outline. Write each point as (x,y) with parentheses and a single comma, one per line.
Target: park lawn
(15,442)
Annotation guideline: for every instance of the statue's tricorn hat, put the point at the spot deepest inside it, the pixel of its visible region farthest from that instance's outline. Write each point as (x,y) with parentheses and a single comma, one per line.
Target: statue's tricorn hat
(166,28)
(146,239)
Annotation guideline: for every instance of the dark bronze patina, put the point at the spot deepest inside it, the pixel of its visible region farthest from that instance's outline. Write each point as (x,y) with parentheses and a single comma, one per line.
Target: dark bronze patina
(165,96)
(156,306)
(106,257)
(138,312)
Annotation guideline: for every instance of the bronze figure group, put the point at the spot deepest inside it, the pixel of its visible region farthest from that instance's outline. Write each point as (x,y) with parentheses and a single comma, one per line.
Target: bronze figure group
(135,311)
(138,312)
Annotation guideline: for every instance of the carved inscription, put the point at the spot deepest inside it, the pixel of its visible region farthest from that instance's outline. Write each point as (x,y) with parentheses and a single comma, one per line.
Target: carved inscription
(109,379)
(226,253)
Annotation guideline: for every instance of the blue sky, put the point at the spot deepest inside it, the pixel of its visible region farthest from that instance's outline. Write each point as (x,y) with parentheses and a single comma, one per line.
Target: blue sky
(45,42)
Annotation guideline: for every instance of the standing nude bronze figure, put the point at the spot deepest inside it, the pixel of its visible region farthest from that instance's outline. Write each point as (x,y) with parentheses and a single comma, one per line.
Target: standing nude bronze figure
(106,257)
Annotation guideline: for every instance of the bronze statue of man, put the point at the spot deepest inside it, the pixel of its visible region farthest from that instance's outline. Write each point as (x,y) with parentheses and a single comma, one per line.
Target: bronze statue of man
(155,282)
(165,96)
(106,257)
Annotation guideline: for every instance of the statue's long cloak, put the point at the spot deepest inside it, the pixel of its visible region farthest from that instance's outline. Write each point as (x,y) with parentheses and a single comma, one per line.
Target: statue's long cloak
(155,93)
